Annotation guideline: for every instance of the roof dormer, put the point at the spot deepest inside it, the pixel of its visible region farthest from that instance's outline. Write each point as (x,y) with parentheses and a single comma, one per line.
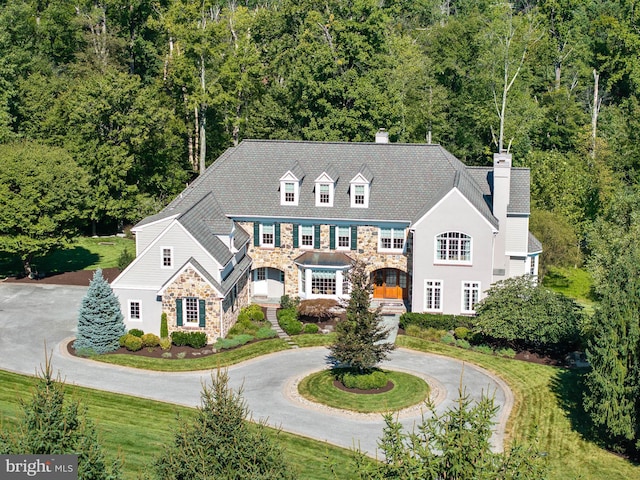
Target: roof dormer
(325,187)
(360,186)
(290,185)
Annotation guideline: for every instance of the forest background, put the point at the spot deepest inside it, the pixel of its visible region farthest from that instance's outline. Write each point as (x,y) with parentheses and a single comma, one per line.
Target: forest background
(136,97)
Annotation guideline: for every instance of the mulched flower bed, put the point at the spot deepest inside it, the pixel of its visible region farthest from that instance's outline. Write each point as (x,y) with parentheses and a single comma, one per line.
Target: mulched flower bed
(156,352)
(79,278)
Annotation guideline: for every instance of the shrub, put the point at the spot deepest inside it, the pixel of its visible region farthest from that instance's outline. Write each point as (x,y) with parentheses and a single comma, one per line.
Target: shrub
(461,332)
(448,339)
(288,302)
(506,352)
(196,339)
(310,328)
(288,321)
(265,332)
(225,343)
(122,339)
(425,333)
(150,340)
(244,325)
(243,339)
(165,343)
(136,332)
(125,258)
(462,343)
(167,354)
(133,343)
(179,339)
(366,381)
(254,312)
(164,327)
(318,308)
(486,349)
(432,320)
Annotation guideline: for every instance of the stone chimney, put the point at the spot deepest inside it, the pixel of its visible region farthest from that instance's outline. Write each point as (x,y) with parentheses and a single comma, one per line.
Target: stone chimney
(382,136)
(501,192)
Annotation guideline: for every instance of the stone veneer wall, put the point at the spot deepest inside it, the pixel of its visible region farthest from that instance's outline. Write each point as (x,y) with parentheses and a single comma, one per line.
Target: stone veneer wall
(283,257)
(230,316)
(190,284)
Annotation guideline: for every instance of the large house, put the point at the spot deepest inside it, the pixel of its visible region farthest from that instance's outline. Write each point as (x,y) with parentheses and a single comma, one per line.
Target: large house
(288,217)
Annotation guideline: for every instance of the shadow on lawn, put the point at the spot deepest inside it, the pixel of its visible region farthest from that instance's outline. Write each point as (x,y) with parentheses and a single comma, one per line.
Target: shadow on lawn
(59,261)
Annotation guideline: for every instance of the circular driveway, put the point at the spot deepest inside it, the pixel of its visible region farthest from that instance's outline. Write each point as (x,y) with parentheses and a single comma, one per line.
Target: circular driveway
(32,316)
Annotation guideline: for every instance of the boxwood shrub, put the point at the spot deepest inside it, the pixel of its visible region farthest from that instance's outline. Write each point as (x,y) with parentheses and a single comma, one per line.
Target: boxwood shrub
(132,343)
(310,328)
(197,339)
(288,321)
(136,332)
(431,320)
(150,340)
(366,381)
(179,339)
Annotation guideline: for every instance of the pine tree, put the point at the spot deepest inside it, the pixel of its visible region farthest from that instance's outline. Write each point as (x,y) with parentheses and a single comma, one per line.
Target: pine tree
(100,321)
(360,341)
(50,425)
(219,442)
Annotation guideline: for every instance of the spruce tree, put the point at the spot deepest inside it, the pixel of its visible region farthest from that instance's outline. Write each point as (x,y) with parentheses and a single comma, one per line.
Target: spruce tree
(360,341)
(219,442)
(51,425)
(100,321)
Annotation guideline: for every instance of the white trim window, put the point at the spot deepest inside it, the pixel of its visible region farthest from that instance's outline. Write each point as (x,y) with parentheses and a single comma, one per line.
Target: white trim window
(324,194)
(433,295)
(289,195)
(470,296)
(166,257)
(343,238)
(306,236)
(359,196)
(391,239)
(323,282)
(453,247)
(191,310)
(267,235)
(135,310)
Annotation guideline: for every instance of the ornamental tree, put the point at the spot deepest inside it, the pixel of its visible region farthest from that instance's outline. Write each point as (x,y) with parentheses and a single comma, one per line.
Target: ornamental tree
(100,321)
(50,425)
(219,443)
(361,339)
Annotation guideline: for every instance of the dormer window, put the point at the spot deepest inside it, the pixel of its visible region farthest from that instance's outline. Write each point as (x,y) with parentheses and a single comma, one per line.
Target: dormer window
(289,192)
(324,190)
(360,185)
(290,186)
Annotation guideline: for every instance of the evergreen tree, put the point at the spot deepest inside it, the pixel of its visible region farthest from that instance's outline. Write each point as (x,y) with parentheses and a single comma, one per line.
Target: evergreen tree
(49,425)
(219,443)
(454,445)
(361,339)
(100,321)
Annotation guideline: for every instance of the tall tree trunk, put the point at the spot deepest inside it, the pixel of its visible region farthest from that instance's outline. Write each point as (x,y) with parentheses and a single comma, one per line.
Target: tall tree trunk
(594,113)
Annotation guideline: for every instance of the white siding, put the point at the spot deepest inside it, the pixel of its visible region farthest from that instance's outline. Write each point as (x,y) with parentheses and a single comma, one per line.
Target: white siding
(517,235)
(148,233)
(150,309)
(518,266)
(456,214)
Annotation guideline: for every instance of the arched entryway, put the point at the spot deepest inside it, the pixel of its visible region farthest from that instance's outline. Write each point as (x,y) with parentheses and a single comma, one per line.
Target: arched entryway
(390,283)
(267,282)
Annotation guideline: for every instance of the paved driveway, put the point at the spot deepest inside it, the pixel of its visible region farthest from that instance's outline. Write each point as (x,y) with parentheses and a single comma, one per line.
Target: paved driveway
(31,316)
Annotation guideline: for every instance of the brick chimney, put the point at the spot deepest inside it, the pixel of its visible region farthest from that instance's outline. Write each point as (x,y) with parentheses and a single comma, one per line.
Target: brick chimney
(382,136)
(501,192)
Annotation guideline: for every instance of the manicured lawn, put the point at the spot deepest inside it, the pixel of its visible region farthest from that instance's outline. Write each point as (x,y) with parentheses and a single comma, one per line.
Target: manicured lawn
(314,340)
(85,253)
(137,429)
(222,359)
(548,404)
(575,283)
(408,390)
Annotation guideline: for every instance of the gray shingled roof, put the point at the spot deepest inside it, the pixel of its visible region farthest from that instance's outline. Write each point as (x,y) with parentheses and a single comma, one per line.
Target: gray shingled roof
(535,246)
(519,200)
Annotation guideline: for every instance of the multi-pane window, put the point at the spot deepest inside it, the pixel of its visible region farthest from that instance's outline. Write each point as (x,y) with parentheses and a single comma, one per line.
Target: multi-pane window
(453,247)
(134,310)
(433,295)
(470,296)
(268,233)
(323,282)
(532,265)
(261,274)
(344,237)
(358,194)
(289,192)
(391,238)
(325,193)
(191,310)
(167,257)
(306,235)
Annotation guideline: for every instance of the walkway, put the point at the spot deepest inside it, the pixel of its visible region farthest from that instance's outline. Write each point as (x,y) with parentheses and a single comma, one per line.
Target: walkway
(33,315)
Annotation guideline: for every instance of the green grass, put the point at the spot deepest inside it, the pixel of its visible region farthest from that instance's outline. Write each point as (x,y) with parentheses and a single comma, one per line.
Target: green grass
(84,253)
(222,359)
(314,340)
(136,429)
(548,404)
(575,283)
(408,390)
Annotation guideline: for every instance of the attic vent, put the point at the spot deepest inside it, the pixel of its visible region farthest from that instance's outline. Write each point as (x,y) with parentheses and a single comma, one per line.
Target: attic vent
(382,136)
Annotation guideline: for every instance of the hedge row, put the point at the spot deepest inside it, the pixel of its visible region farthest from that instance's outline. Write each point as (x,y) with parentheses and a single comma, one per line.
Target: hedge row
(431,320)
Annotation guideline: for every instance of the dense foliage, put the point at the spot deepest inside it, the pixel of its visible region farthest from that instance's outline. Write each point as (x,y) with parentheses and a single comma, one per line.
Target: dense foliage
(50,424)
(219,443)
(520,311)
(100,321)
(454,444)
(361,338)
